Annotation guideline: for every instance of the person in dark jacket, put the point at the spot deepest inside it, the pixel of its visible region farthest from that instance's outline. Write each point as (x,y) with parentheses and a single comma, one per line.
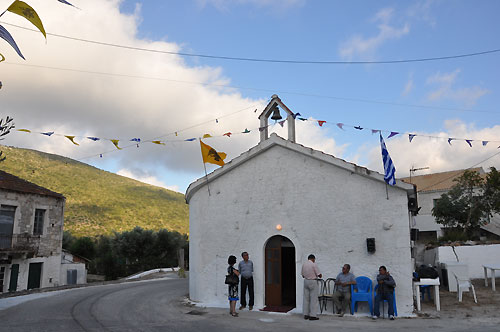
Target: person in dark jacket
(385,291)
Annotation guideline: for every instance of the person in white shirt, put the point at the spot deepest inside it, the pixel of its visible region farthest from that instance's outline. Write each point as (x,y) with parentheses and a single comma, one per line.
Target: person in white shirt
(310,273)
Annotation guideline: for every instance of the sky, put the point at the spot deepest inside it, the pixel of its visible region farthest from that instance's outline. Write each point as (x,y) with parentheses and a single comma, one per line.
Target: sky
(75,86)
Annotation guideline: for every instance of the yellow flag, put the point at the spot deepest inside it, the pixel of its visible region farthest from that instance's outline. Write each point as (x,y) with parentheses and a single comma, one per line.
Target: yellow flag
(211,156)
(25,130)
(71,138)
(24,10)
(3,58)
(158,142)
(207,136)
(115,142)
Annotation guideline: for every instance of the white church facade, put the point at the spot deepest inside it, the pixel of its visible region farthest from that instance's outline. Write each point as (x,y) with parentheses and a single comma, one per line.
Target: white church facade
(281,201)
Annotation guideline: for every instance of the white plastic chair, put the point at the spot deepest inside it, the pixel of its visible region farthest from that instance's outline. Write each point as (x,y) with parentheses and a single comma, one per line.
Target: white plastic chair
(464,285)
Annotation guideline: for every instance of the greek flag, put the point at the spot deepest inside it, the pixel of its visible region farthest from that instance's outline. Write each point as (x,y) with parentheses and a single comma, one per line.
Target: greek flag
(389,169)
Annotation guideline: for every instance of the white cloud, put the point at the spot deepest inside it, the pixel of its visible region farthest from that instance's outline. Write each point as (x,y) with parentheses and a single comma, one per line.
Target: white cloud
(421,10)
(408,87)
(146,178)
(445,83)
(436,153)
(366,46)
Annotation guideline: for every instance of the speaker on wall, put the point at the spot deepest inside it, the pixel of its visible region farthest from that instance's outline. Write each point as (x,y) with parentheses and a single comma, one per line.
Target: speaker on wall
(370,244)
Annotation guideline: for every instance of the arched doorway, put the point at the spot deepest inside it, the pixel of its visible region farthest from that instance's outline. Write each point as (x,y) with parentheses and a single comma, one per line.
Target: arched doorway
(280,272)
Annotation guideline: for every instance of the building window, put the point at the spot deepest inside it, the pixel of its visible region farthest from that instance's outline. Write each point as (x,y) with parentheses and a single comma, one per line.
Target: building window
(2,277)
(434,202)
(7,214)
(38,225)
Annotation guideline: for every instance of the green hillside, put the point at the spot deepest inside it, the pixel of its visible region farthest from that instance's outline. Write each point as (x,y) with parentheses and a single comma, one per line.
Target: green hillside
(99,202)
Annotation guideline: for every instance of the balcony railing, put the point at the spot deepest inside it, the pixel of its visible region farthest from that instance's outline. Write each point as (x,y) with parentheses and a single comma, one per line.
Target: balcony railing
(19,242)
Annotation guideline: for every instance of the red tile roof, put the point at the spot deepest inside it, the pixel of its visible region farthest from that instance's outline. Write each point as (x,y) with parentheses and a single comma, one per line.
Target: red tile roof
(13,183)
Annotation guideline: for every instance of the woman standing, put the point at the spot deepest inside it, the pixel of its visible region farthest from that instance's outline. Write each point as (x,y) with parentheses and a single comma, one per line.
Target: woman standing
(233,288)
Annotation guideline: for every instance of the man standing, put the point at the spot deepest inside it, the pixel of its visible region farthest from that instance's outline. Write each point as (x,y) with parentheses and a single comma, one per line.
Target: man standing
(385,291)
(342,296)
(310,272)
(246,271)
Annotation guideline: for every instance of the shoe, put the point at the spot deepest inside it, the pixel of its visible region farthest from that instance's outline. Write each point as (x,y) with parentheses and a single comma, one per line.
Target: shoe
(341,314)
(306,317)
(313,318)
(391,317)
(234,314)
(242,307)
(374,317)
(250,307)
(338,312)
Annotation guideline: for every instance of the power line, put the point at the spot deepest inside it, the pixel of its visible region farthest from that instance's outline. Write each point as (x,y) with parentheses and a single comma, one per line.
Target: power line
(359,100)
(309,62)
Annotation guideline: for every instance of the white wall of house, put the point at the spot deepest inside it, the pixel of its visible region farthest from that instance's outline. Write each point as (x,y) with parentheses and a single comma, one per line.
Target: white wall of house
(473,256)
(49,276)
(424,220)
(324,209)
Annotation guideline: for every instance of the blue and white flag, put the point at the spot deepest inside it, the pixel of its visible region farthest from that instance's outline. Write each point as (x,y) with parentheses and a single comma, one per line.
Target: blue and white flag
(389,169)
(8,38)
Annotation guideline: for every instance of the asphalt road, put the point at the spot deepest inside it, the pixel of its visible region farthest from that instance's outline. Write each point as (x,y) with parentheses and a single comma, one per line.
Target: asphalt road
(158,305)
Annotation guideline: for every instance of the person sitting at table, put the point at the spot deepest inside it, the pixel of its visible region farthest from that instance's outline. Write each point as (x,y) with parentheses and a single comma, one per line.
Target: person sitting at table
(385,291)
(342,295)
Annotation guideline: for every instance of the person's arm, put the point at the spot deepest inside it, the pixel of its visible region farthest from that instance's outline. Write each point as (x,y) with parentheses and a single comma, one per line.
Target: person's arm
(236,272)
(389,281)
(316,271)
(350,282)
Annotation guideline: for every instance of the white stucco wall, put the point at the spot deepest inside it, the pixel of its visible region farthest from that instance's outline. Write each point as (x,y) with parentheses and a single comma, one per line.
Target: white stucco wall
(49,276)
(424,220)
(323,209)
(473,256)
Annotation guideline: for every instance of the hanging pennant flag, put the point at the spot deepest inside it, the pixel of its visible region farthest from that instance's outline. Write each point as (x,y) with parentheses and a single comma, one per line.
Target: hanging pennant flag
(190,139)
(321,122)
(411,136)
(296,115)
(158,142)
(71,138)
(340,125)
(211,156)
(246,131)
(228,134)
(175,133)
(358,128)
(7,36)
(302,119)
(449,140)
(25,130)
(67,3)
(94,138)
(485,142)
(216,121)
(138,140)
(100,155)
(389,169)
(48,133)
(282,122)
(392,134)
(374,131)
(207,136)
(23,9)
(2,57)
(115,142)
(469,141)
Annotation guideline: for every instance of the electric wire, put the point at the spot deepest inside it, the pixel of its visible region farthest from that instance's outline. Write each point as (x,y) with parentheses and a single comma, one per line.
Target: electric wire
(222,57)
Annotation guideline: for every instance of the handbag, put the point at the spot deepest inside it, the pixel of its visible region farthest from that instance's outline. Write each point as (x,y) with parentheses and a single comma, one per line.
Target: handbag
(232,279)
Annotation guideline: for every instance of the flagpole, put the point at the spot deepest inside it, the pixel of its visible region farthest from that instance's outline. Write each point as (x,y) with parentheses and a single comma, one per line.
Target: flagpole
(386,190)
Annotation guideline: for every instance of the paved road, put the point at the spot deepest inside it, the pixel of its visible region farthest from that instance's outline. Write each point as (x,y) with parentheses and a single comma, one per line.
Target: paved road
(158,305)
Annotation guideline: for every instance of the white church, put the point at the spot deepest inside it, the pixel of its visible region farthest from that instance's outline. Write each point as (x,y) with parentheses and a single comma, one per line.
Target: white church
(281,201)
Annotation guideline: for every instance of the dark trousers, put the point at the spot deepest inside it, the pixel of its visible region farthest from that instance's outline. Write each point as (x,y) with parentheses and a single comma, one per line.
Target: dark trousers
(381,297)
(244,283)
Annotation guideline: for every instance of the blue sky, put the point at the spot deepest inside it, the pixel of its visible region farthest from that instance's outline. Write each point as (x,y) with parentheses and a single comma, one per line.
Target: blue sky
(455,98)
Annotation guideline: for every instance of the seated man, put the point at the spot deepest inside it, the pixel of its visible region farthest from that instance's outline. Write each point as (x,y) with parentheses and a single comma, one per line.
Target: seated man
(342,295)
(385,291)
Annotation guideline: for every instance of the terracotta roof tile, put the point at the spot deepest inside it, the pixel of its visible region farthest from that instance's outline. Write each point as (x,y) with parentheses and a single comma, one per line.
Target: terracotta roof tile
(13,183)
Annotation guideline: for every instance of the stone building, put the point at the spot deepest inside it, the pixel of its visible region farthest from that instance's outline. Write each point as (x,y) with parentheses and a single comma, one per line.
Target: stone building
(282,201)
(31,230)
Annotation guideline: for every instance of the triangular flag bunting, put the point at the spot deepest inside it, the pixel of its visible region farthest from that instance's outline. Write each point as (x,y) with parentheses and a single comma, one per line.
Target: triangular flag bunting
(374,131)
(23,9)
(158,142)
(228,134)
(25,130)
(485,142)
(469,141)
(67,3)
(302,119)
(135,139)
(246,131)
(411,136)
(71,138)
(296,115)
(2,58)
(358,128)
(321,122)
(190,139)
(340,125)
(449,140)
(282,122)
(392,134)
(211,156)
(7,36)
(48,133)
(207,136)
(115,142)
(95,139)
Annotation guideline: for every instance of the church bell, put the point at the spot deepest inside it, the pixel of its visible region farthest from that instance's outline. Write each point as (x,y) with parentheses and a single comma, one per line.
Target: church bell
(276,113)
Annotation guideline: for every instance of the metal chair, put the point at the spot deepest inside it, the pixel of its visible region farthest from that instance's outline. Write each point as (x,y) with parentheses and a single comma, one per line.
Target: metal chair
(321,287)
(328,290)
(362,292)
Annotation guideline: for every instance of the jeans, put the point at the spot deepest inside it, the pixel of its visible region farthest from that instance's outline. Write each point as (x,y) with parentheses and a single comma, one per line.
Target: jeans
(381,297)
(244,283)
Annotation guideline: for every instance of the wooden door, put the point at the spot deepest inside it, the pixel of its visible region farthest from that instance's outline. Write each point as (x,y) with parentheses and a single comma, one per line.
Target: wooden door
(14,272)
(273,272)
(34,275)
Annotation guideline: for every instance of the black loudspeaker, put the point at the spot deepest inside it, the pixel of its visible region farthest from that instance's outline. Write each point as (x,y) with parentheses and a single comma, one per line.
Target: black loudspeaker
(413,204)
(370,244)
(413,234)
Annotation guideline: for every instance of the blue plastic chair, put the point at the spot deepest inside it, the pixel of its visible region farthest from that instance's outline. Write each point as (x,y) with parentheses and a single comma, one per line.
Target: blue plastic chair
(393,300)
(362,292)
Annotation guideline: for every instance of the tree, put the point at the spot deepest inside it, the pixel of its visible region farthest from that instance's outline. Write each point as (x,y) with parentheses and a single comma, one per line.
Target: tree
(84,247)
(5,127)
(491,191)
(463,208)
